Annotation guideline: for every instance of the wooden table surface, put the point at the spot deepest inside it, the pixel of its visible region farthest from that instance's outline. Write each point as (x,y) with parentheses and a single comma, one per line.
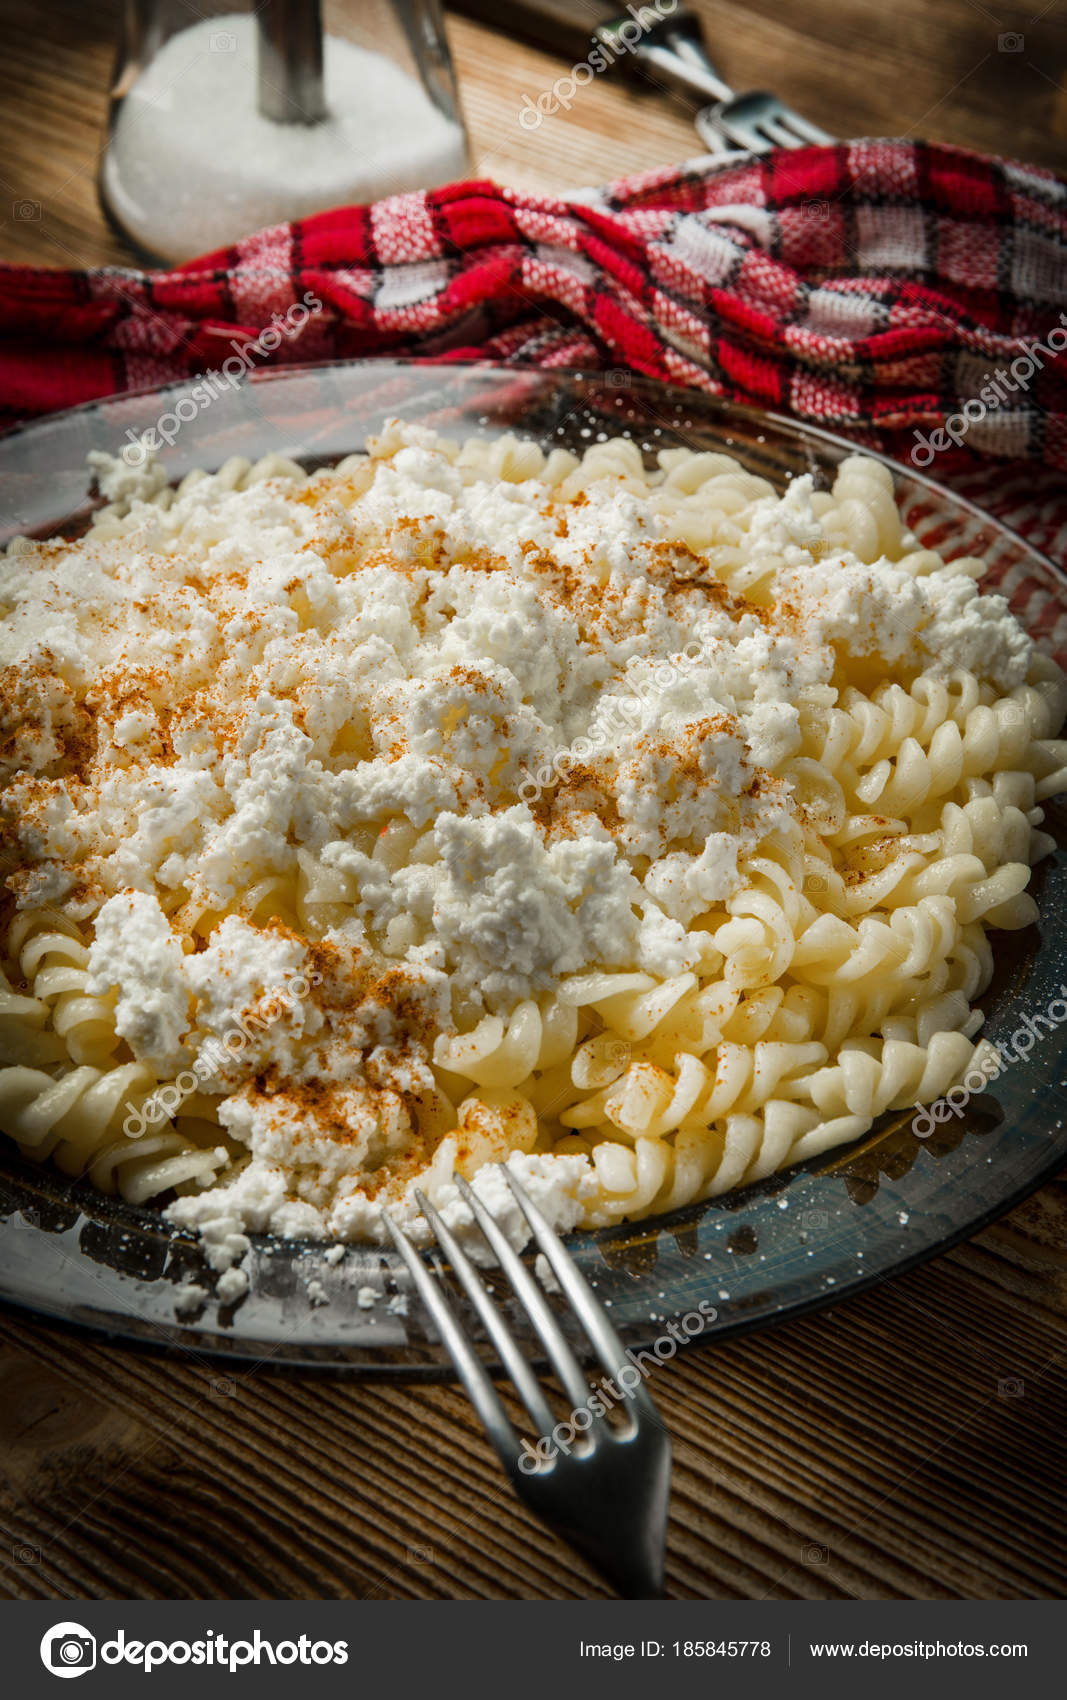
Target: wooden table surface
(910,1443)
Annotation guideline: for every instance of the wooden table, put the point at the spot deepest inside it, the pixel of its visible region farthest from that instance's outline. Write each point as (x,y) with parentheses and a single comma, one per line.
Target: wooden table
(910,1443)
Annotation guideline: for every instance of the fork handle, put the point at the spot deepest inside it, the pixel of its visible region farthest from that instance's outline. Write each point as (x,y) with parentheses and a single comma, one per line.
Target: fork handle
(555,26)
(672,52)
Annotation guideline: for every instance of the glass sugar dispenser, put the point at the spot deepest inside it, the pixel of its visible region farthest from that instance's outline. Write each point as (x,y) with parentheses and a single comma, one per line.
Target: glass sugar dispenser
(249,117)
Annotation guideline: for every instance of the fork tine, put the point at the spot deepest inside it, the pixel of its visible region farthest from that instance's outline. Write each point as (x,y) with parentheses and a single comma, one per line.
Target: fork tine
(586,1306)
(775,126)
(712,132)
(743,135)
(801,127)
(472,1372)
(493,1322)
(532,1299)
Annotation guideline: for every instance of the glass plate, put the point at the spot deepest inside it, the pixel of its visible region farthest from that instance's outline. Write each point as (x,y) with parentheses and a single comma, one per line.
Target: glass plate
(808,1237)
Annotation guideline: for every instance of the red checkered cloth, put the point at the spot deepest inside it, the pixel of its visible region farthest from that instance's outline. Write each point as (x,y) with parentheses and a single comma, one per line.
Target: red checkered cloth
(887,289)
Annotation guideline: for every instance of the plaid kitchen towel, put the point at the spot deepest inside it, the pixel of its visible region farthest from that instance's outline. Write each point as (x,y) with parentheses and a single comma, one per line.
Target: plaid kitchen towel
(912,296)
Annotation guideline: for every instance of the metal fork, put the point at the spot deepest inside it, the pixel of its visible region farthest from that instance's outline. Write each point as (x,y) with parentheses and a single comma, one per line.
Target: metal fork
(757,123)
(608,1499)
(673,52)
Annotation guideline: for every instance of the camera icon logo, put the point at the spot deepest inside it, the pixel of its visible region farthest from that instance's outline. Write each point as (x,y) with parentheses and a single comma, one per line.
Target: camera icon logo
(68,1649)
(815,1220)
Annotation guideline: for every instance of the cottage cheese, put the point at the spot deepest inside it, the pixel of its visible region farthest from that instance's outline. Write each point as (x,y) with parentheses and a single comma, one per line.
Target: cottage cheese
(135,951)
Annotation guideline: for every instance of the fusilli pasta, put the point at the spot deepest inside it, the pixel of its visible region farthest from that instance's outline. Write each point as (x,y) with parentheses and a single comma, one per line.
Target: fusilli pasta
(787,770)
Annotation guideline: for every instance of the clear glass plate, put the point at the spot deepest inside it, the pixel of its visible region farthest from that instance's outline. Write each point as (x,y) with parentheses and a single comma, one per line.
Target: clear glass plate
(808,1237)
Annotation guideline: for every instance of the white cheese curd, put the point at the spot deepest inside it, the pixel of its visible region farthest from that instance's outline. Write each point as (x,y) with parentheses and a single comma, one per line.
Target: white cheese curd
(135,950)
(465,804)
